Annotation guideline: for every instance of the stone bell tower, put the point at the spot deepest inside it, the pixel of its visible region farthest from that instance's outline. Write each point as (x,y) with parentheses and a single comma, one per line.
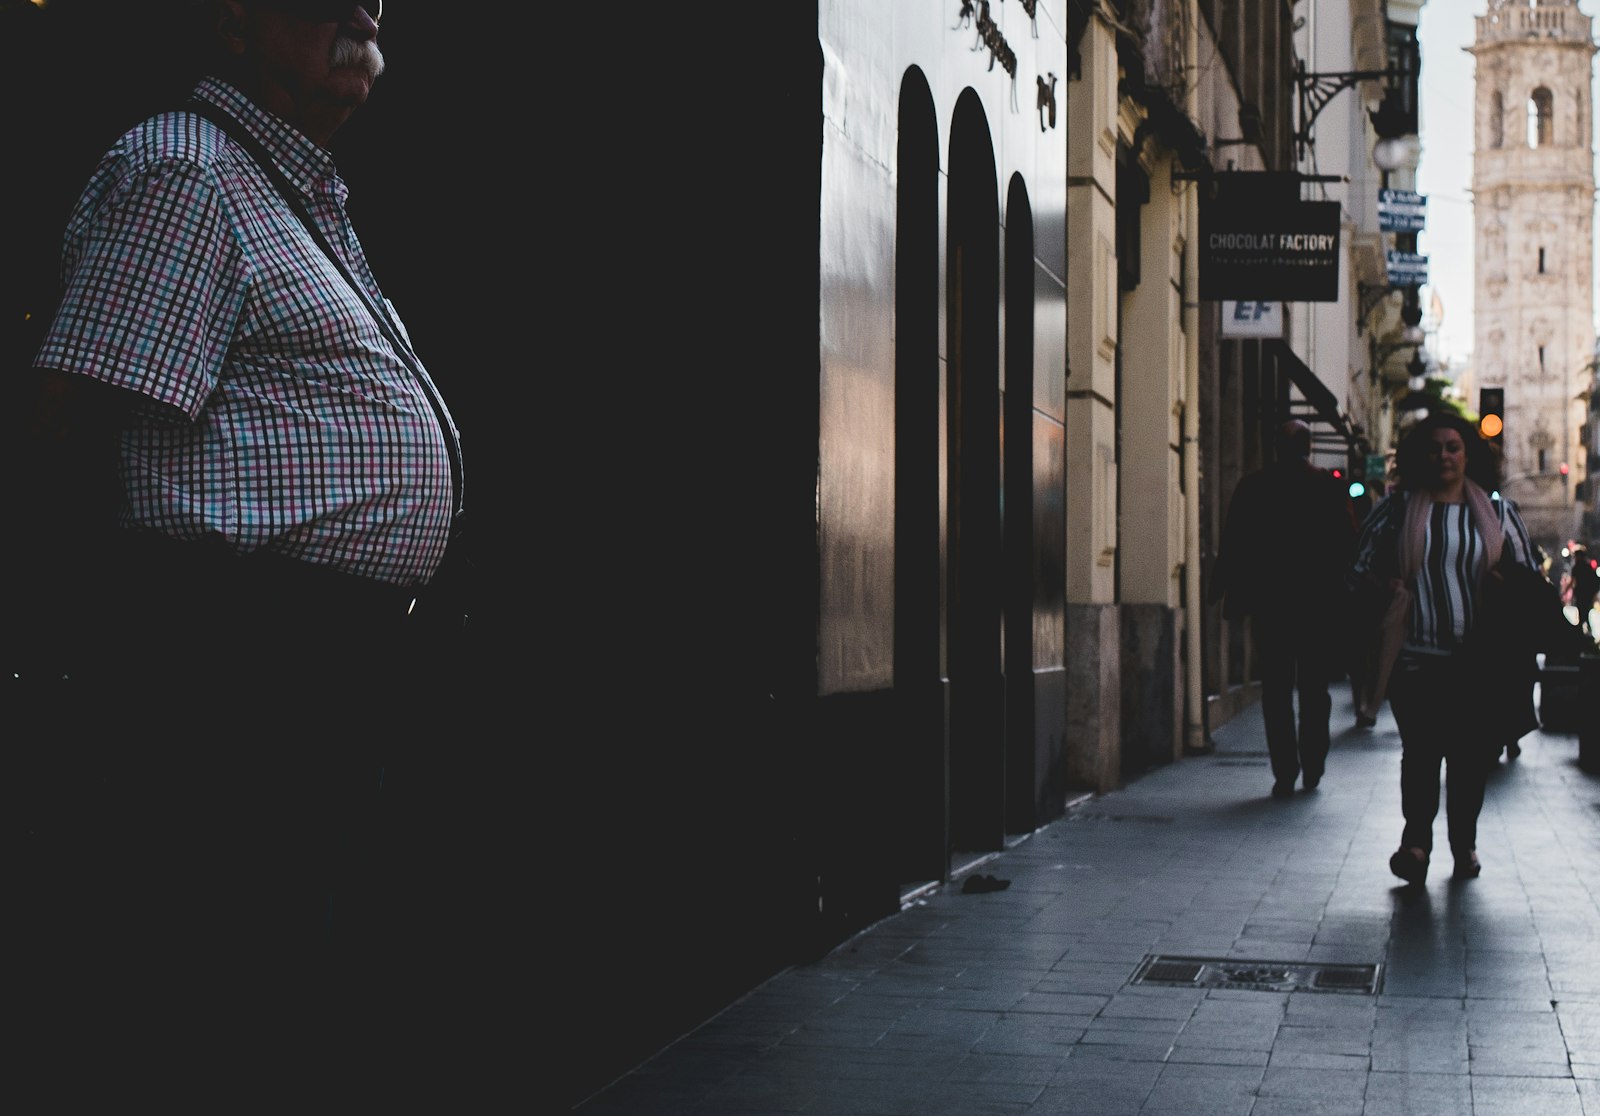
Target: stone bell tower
(1533,192)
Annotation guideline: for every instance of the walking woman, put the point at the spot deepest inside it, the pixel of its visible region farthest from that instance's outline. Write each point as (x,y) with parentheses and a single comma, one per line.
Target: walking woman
(1434,543)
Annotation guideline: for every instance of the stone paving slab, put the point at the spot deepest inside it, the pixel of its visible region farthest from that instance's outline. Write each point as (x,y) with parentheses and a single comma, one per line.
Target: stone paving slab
(1022,1002)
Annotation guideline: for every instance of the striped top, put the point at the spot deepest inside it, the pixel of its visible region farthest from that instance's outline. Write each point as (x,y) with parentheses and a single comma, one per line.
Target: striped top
(279,418)
(1445,589)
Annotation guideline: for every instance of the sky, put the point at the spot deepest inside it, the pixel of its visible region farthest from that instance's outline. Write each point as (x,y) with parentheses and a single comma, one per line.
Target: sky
(1444,172)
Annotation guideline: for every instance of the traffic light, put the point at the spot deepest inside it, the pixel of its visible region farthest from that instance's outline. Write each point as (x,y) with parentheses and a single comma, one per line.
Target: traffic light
(1492,414)
(1358,476)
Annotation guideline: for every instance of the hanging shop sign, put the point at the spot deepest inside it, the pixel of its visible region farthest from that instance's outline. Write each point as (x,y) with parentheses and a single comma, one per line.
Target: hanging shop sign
(1402,211)
(1252,319)
(1407,269)
(1285,251)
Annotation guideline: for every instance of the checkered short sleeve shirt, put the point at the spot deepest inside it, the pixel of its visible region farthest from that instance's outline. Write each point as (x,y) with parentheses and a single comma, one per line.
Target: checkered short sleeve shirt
(279,417)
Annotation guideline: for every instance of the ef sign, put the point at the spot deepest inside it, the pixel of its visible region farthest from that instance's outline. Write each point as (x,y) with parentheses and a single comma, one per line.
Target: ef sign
(1252,319)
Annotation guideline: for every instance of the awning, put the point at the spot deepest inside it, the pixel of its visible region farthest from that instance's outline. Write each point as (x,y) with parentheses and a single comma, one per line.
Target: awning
(1323,402)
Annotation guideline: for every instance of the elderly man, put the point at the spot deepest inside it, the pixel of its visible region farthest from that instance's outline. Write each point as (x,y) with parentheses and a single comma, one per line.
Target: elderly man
(248,482)
(231,389)
(1286,544)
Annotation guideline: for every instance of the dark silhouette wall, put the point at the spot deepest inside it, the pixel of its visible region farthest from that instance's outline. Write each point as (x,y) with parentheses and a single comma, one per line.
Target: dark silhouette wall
(603,236)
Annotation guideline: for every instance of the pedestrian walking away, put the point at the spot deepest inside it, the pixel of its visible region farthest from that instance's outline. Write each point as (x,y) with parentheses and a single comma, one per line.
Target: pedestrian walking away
(245,485)
(1286,547)
(1585,585)
(1434,546)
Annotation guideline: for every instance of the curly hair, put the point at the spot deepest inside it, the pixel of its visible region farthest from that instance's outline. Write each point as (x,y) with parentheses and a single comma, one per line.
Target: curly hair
(1411,455)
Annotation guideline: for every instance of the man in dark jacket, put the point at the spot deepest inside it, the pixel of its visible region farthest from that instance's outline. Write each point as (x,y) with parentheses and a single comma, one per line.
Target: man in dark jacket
(1285,547)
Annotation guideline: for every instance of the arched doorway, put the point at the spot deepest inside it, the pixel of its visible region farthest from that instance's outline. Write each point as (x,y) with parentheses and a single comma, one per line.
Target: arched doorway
(920,810)
(1018,508)
(974,573)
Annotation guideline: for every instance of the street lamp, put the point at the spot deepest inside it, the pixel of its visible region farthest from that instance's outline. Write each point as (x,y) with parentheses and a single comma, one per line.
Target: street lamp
(1416,398)
(1391,153)
(1398,145)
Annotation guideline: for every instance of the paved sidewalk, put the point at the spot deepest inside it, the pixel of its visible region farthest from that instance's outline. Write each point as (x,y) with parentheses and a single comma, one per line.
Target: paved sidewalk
(1477,998)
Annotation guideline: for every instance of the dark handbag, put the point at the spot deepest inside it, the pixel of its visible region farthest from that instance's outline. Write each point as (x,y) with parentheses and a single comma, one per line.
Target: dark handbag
(1519,615)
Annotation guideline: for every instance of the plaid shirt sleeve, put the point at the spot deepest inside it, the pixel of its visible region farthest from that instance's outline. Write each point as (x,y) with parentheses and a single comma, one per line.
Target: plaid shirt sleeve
(153,287)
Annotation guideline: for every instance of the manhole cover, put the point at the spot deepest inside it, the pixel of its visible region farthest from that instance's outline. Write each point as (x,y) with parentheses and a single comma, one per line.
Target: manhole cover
(1262,976)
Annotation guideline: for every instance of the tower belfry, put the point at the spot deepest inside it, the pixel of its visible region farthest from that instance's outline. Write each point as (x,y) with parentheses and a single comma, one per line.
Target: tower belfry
(1533,191)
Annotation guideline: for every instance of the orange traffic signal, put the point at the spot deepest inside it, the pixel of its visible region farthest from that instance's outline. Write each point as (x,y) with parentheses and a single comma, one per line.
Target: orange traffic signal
(1492,413)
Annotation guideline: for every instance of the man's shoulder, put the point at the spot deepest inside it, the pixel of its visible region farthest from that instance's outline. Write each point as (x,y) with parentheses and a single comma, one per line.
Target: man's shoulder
(1252,482)
(165,157)
(1301,478)
(173,136)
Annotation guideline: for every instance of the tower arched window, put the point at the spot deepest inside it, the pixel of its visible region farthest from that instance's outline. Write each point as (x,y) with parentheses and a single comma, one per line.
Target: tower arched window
(1541,118)
(1497,121)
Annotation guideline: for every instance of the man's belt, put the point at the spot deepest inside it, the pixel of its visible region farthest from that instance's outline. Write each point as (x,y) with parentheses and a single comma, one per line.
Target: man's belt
(264,583)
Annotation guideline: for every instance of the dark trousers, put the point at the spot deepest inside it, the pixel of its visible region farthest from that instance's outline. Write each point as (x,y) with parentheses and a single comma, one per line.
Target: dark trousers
(1440,724)
(1294,655)
(292,924)
(255,836)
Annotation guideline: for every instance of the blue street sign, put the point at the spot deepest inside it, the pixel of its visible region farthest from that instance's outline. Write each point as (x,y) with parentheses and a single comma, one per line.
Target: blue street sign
(1407,269)
(1402,211)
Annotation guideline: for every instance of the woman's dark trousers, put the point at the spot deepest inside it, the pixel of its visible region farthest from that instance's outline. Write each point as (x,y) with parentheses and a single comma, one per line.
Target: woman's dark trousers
(1440,722)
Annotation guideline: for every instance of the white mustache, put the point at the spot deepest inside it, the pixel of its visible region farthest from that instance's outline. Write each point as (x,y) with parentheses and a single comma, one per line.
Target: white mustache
(355,52)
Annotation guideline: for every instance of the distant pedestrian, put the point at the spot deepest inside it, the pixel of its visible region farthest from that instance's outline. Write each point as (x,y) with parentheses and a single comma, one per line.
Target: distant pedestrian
(1286,546)
(1358,662)
(1585,584)
(1431,545)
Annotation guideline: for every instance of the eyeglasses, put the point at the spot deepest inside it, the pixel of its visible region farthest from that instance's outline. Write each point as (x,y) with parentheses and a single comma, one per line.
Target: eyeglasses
(327,11)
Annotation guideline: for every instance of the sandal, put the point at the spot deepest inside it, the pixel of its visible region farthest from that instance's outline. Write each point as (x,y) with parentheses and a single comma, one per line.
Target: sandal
(1410,865)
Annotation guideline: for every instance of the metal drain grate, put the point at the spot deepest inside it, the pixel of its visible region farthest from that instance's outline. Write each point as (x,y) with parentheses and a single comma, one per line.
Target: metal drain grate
(1241,763)
(1082,817)
(1261,976)
(1357,978)
(1173,972)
